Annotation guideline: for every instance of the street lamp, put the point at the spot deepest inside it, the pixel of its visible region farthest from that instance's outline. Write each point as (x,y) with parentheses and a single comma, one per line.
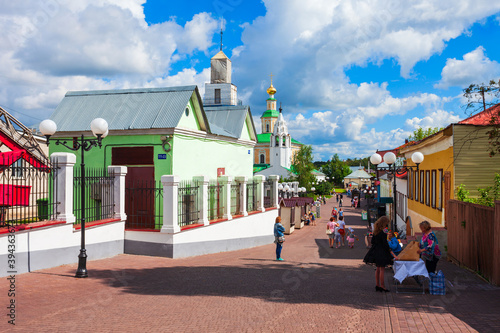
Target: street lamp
(99,128)
(392,169)
(287,190)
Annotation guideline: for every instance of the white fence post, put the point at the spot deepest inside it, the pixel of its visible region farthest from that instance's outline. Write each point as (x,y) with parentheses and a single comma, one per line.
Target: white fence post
(64,163)
(225,181)
(202,182)
(242,181)
(275,180)
(259,179)
(119,173)
(170,204)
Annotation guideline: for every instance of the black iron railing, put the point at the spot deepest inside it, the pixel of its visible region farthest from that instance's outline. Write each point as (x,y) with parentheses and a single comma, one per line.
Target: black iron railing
(99,198)
(215,201)
(252,198)
(268,193)
(27,190)
(188,209)
(235,199)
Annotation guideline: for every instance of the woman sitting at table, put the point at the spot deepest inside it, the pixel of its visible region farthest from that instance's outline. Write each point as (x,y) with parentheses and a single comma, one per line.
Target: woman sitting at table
(380,253)
(429,249)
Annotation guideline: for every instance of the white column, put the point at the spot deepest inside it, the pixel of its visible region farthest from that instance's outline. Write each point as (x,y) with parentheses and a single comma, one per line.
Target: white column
(225,181)
(119,173)
(242,181)
(64,163)
(259,179)
(170,204)
(275,180)
(202,183)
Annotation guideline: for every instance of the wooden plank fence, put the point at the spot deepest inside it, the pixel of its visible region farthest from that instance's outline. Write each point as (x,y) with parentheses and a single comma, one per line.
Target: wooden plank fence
(473,237)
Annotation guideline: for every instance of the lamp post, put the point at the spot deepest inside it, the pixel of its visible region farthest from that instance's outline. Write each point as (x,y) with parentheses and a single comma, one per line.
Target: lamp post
(392,169)
(99,128)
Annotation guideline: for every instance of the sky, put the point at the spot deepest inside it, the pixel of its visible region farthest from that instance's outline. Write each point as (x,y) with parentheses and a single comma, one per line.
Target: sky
(353,77)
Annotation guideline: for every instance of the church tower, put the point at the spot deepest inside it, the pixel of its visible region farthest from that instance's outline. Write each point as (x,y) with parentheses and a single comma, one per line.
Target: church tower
(270,116)
(220,90)
(280,143)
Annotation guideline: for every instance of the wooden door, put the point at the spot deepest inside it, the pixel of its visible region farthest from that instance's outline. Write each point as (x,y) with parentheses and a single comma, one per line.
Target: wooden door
(140,185)
(447,194)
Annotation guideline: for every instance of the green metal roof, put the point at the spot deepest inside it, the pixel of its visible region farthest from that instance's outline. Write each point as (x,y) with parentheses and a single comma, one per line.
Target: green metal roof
(271,99)
(266,138)
(270,114)
(260,167)
(124,109)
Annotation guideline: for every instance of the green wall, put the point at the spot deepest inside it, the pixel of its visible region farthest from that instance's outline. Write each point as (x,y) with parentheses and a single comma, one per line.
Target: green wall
(101,157)
(197,156)
(189,156)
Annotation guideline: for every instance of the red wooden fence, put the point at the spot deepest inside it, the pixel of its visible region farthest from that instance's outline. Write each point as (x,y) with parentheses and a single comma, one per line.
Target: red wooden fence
(473,237)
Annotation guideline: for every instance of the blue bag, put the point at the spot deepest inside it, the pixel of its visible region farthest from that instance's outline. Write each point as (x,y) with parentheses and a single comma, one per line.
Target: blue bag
(437,283)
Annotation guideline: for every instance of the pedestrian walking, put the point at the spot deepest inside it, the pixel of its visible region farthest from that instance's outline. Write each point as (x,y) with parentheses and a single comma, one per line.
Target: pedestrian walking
(380,253)
(337,196)
(324,201)
(279,237)
(337,237)
(330,231)
(312,218)
(351,237)
(429,248)
(340,202)
(341,224)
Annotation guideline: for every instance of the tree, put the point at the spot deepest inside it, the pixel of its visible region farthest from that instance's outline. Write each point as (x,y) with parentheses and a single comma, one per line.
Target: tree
(479,98)
(336,169)
(420,133)
(303,166)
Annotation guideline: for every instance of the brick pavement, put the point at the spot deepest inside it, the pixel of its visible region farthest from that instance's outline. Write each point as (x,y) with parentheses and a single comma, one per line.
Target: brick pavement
(316,289)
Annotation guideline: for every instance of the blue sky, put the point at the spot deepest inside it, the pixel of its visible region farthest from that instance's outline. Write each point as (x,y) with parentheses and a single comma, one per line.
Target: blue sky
(353,76)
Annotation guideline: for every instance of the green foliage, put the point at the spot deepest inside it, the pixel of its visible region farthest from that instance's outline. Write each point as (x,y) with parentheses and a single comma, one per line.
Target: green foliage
(303,166)
(487,196)
(420,133)
(358,161)
(336,169)
(323,188)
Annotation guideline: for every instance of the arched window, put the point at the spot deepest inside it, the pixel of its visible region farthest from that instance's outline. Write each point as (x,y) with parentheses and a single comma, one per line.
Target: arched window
(277,141)
(262,159)
(267,127)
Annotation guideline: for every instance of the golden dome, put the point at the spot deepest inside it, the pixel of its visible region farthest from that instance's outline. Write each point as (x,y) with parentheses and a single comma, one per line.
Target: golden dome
(271,90)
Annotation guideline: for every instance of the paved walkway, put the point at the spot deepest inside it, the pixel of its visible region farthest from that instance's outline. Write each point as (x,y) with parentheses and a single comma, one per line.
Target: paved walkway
(316,289)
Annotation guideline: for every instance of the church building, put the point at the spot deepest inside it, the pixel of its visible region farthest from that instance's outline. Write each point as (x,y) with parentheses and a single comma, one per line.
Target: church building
(273,153)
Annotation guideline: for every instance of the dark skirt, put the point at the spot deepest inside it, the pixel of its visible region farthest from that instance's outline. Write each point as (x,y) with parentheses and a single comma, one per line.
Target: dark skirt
(379,254)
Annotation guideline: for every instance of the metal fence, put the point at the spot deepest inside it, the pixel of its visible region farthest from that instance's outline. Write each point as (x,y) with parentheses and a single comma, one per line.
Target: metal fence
(235,199)
(144,205)
(252,199)
(27,190)
(99,201)
(189,212)
(215,201)
(268,193)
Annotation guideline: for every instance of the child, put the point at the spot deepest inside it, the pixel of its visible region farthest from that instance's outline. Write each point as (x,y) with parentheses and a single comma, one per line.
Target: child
(334,213)
(394,243)
(351,237)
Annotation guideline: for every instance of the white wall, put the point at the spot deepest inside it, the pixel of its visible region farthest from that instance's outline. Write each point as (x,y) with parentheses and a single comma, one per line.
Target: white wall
(60,244)
(240,233)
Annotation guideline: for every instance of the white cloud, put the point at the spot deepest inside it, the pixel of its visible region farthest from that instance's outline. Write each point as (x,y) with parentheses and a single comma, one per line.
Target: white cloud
(475,67)
(438,118)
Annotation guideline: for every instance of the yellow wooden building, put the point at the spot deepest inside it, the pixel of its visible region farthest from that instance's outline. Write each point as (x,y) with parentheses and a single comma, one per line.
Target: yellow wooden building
(455,155)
